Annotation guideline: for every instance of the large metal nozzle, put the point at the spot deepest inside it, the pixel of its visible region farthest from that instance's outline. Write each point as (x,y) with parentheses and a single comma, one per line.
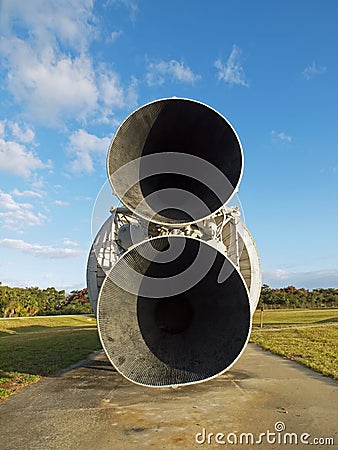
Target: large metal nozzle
(175,161)
(163,317)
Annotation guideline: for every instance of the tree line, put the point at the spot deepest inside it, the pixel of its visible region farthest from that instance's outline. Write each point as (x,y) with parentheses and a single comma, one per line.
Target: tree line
(291,297)
(33,301)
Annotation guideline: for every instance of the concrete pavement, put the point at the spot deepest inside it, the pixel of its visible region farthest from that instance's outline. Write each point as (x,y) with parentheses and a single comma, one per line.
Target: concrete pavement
(93,407)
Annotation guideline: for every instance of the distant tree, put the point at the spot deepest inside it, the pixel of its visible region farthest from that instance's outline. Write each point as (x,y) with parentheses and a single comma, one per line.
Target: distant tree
(31,301)
(291,297)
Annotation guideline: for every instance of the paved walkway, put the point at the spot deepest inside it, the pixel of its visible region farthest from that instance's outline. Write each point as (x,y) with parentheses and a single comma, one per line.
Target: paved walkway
(91,407)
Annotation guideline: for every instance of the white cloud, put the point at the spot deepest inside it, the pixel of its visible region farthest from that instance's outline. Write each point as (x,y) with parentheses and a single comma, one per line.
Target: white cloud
(312,70)
(232,71)
(112,93)
(71,243)
(61,203)
(18,160)
(50,84)
(159,72)
(38,183)
(131,5)
(279,274)
(281,136)
(114,35)
(70,20)
(23,133)
(309,280)
(49,72)
(16,216)
(83,146)
(16,150)
(41,250)
(54,86)
(27,193)
(81,198)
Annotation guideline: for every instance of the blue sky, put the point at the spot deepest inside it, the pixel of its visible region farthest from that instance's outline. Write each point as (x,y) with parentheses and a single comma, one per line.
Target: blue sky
(72,70)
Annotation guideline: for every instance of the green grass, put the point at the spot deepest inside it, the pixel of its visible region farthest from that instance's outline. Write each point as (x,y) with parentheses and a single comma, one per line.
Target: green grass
(296,317)
(31,348)
(314,345)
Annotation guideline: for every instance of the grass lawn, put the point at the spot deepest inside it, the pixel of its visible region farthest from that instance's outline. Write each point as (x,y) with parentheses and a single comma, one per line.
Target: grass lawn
(33,347)
(307,336)
(295,317)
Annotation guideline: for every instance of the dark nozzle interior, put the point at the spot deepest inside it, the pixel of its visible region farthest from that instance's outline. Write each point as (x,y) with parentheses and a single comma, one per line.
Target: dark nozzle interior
(183,127)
